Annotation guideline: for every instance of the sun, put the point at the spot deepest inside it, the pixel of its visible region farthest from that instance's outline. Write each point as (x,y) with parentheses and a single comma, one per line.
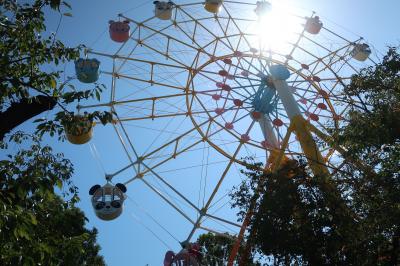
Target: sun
(276,28)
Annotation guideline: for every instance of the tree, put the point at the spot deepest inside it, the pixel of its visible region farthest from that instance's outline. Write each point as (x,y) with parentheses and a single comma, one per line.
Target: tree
(216,249)
(295,220)
(39,222)
(28,85)
(299,221)
(36,224)
(372,134)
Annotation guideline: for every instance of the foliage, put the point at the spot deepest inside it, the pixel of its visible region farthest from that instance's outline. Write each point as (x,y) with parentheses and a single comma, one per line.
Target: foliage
(296,220)
(300,220)
(39,222)
(216,249)
(71,122)
(36,224)
(373,135)
(379,89)
(29,62)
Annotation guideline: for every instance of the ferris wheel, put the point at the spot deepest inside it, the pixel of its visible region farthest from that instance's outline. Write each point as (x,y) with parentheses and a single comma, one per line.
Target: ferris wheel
(199,87)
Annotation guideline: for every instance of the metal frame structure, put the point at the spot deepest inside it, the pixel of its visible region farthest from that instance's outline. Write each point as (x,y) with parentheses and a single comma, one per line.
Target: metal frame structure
(197,55)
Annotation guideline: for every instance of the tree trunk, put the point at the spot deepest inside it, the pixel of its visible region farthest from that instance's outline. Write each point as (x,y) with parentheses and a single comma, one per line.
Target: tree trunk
(24,110)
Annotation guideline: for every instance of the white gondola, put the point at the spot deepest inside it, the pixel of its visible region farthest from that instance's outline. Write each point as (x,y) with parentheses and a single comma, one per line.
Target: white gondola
(262,8)
(163,10)
(361,51)
(213,6)
(107,201)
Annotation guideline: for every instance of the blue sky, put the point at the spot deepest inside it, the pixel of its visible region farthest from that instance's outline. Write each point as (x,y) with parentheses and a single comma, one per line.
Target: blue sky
(132,239)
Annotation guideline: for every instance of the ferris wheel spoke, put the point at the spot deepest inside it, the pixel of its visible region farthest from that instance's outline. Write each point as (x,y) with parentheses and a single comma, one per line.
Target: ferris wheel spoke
(166,54)
(221,220)
(334,62)
(149,62)
(337,35)
(215,190)
(294,46)
(167,200)
(149,99)
(262,70)
(199,48)
(153,116)
(169,38)
(203,72)
(192,205)
(155,106)
(175,145)
(224,30)
(160,32)
(237,26)
(152,82)
(203,26)
(204,78)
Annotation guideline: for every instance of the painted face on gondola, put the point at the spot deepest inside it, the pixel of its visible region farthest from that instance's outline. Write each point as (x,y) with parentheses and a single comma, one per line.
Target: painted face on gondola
(107,200)
(163,6)
(87,64)
(118,26)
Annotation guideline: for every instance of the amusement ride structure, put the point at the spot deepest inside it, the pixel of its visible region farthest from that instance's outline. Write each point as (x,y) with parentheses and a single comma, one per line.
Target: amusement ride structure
(199,87)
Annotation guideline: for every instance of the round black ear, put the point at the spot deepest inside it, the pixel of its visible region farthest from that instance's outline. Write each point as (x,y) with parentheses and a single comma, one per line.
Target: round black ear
(93,189)
(155,2)
(121,187)
(111,21)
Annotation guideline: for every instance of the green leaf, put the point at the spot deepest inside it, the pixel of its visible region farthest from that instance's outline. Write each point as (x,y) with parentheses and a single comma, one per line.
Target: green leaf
(98,95)
(59,183)
(33,219)
(53,83)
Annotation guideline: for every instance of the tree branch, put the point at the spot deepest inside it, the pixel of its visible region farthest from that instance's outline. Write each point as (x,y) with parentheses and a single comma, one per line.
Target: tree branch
(21,111)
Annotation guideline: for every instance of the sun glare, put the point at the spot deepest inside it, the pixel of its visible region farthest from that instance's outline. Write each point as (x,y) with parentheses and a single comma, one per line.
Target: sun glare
(277,27)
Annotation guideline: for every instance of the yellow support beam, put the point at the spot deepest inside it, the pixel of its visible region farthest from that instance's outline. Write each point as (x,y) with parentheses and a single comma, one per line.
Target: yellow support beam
(309,147)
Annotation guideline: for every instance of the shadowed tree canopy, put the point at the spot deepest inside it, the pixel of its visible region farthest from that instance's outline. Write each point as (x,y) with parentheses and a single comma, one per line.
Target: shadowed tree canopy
(39,223)
(217,248)
(298,221)
(30,59)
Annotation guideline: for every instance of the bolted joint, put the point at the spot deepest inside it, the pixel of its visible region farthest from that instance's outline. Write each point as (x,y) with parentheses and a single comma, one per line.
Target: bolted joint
(108,177)
(202,212)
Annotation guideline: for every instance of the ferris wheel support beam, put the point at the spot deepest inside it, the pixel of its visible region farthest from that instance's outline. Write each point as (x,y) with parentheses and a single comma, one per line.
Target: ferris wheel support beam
(279,75)
(341,150)
(269,135)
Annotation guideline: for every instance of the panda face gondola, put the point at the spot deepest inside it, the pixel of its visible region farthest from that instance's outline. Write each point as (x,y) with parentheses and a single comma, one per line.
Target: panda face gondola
(163,10)
(107,201)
